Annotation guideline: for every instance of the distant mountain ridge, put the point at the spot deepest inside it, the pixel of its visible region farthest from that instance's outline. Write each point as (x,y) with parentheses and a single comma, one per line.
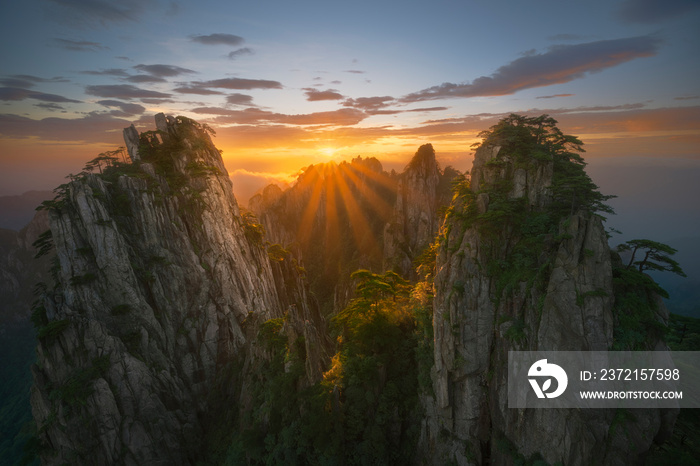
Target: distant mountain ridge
(338,218)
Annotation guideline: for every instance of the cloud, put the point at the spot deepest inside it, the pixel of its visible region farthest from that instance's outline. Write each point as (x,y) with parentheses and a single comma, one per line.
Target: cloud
(145,78)
(312,95)
(596,108)
(50,107)
(629,120)
(428,109)
(164,71)
(687,97)
(239,99)
(157,73)
(196,90)
(27,81)
(633,119)
(341,117)
(15,94)
(554,96)
(214,111)
(654,11)
(79,45)
(242,51)
(567,38)
(252,116)
(264,136)
(236,84)
(120,72)
(370,105)
(218,39)
(355,71)
(127,109)
(560,64)
(93,128)
(157,101)
(123,91)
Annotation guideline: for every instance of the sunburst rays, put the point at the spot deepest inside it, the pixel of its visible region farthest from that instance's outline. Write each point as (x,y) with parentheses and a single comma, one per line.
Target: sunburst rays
(344,202)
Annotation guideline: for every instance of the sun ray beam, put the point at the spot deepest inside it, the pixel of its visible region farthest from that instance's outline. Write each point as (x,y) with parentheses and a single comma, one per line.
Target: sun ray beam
(362,232)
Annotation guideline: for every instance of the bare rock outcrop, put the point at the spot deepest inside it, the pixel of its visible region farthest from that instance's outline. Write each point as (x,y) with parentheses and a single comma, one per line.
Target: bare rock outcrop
(497,289)
(415,220)
(161,290)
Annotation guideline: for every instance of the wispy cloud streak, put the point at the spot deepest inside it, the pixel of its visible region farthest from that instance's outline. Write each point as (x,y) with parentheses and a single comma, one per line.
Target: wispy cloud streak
(560,64)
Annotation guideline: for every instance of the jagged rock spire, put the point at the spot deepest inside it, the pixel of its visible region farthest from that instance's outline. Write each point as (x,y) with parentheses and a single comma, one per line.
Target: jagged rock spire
(131,139)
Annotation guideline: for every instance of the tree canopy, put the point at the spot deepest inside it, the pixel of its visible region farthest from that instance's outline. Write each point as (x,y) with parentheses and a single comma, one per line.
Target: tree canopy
(656,256)
(533,140)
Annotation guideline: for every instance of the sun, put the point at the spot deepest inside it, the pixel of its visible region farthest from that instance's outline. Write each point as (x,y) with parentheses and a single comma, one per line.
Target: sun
(328,151)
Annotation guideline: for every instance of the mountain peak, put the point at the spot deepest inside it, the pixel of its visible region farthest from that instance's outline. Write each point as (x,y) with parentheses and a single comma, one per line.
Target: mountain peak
(423,160)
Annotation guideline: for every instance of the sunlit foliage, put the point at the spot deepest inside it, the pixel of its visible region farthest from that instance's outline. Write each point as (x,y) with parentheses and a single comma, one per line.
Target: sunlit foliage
(366,409)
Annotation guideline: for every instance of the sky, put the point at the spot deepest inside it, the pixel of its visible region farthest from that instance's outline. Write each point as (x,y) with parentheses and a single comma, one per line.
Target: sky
(288,84)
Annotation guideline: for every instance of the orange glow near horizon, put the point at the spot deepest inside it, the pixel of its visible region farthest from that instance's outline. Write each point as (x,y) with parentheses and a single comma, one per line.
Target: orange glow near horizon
(334,191)
(328,151)
(257,155)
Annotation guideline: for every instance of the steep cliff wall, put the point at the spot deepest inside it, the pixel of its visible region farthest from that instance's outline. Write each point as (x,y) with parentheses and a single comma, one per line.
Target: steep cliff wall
(523,265)
(162,288)
(423,188)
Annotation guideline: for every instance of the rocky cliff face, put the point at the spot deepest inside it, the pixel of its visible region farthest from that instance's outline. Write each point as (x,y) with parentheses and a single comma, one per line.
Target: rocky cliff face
(162,287)
(505,281)
(175,322)
(421,191)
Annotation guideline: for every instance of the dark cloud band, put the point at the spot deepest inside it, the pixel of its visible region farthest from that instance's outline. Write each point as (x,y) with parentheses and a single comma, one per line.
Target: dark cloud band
(123,91)
(236,84)
(15,94)
(218,39)
(560,64)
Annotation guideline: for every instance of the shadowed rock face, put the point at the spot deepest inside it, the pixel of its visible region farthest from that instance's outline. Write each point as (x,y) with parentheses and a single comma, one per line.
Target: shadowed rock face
(161,290)
(477,321)
(415,220)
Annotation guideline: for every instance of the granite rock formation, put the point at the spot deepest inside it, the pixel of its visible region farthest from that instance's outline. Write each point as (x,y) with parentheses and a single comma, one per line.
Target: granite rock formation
(422,189)
(162,287)
(486,305)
